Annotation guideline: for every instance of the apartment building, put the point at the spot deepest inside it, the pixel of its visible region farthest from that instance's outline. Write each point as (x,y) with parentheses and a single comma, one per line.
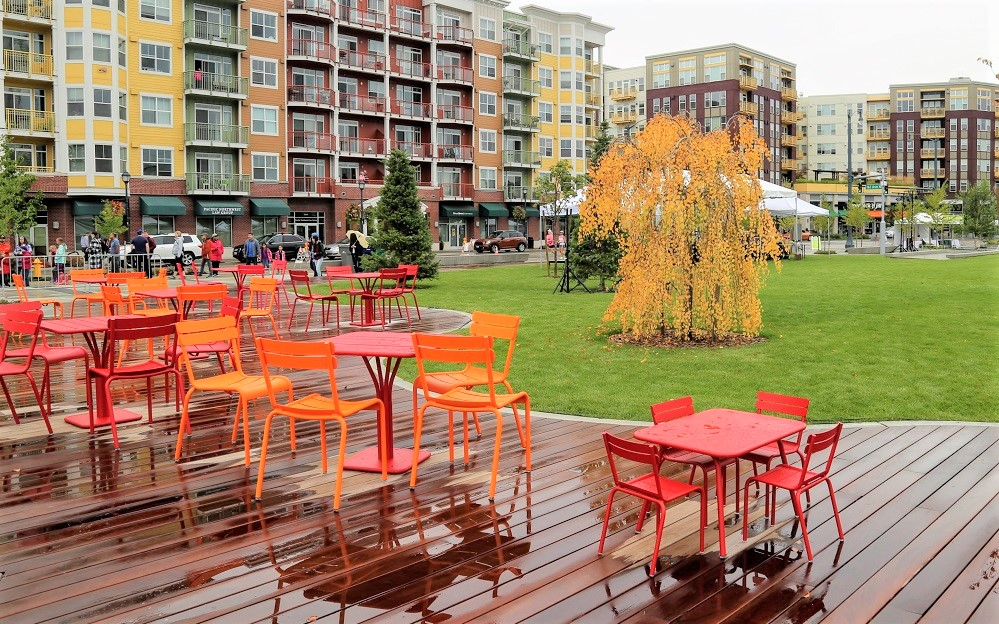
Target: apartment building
(226,116)
(625,100)
(714,84)
(831,125)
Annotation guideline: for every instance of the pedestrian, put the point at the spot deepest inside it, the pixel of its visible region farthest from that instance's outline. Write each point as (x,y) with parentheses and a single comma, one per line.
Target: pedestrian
(561,241)
(23,251)
(317,250)
(355,252)
(279,254)
(206,261)
(215,251)
(85,245)
(140,251)
(265,256)
(251,250)
(549,239)
(114,253)
(6,266)
(95,259)
(59,260)
(177,249)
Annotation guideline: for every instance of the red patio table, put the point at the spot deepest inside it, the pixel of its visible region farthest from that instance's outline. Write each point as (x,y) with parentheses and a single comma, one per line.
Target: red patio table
(367,281)
(236,275)
(721,434)
(391,347)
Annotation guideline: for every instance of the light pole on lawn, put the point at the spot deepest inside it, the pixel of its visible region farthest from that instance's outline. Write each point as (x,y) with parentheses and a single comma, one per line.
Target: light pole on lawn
(362,179)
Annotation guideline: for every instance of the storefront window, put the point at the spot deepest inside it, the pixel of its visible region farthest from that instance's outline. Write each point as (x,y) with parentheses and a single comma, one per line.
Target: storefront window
(154,224)
(206,226)
(263,226)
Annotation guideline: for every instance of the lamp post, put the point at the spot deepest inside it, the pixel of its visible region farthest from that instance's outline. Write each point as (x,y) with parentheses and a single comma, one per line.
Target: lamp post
(126,177)
(884,207)
(523,204)
(362,179)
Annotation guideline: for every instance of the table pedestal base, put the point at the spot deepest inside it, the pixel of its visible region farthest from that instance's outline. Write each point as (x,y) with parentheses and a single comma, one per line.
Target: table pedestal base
(368,461)
(82,420)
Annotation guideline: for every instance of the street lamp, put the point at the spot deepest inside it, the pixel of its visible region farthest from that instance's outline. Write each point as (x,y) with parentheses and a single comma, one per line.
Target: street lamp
(362,179)
(523,203)
(126,177)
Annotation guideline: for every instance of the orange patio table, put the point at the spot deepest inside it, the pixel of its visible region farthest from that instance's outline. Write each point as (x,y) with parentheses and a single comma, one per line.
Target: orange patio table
(721,434)
(386,349)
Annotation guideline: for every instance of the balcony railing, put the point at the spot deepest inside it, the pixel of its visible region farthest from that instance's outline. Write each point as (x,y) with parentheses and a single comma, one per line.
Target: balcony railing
(930,152)
(364,147)
(34,169)
(311,140)
(454,73)
(591,67)
(350,101)
(454,34)
(312,49)
(456,190)
(410,68)
(787,93)
(312,184)
(40,9)
(879,114)
(789,116)
(363,17)
(788,140)
(218,183)
(409,27)
(748,108)
(216,84)
(521,158)
(928,172)
(788,163)
(412,109)
(523,123)
(591,131)
(319,7)
(455,112)
(932,133)
(415,150)
(879,155)
(748,82)
(230,136)
(932,112)
(454,152)
(592,100)
(214,33)
(878,135)
(518,194)
(311,95)
(364,60)
(520,48)
(27,120)
(515,84)
(30,63)
(624,93)
(623,117)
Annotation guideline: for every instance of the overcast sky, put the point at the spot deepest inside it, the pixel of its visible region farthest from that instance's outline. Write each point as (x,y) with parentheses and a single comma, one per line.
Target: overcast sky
(841,46)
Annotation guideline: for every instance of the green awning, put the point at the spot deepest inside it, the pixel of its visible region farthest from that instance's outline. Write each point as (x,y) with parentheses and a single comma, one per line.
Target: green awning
(493,210)
(207,208)
(162,206)
(83,208)
(532,211)
(269,208)
(458,209)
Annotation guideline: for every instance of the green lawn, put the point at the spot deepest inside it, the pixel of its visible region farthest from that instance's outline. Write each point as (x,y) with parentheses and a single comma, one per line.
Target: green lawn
(865,338)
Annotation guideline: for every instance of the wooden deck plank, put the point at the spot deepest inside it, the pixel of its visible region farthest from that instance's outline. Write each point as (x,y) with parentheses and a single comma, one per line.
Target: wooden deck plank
(969,588)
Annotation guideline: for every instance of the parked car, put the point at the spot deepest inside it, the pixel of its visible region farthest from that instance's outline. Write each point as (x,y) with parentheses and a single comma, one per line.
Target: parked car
(163,253)
(291,243)
(503,240)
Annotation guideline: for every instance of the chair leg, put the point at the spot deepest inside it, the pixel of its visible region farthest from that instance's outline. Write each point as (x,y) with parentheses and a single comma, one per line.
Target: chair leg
(607,515)
(341,455)
(796,501)
(496,454)
(832,499)
(660,523)
(323,463)
(417,428)
(10,403)
(646,503)
(263,455)
(417,306)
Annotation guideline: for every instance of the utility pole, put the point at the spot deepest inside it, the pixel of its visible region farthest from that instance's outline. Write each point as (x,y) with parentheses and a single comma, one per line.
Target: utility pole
(884,208)
(849,169)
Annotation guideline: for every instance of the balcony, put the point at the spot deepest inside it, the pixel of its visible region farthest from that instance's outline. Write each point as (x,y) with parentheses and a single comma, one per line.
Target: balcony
(456,190)
(355,146)
(590,132)
(454,152)
(788,140)
(623,117)
(519,194)
(591,67)
(592,100)
(879,155)
(318,8)
(26,121)
(311,50)
(410,69)
(218,183)
(928,172)
(362,60)
(455,73)
(409,28)
(520,123)
(515,85)
(412,109)
(748,108)
(520,49)
(416,151)
(788,93)
(312,185)
(34,169)
(521,158)
(216,135)
(932,133)
(932,112)
(879,114)
(457,35)
(788,164)
(363,18)
(28,64)
(931,152)
(878,135)
(624,94)
(215,34)
(311,96)
(361,103)
(455,113)
(747,83)
(27,9)
(217,85)
(312,141)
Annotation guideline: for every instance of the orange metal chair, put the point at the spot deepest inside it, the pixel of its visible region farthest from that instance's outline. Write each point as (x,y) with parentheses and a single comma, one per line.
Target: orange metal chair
(310,356)
(651,487)
(301,279)
(340,274)
(193,333)
(190,295)
(390,288)
(79,294)
(230,308)
(120,279)
(678,408)
(122,330)
(22,296)
(797,480)
(263,291)
(23,324)
(248,271)
(781,404)
(409,287)
(470,351)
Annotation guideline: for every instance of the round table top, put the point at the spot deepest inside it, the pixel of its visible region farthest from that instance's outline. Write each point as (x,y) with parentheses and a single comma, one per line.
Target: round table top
(374,344)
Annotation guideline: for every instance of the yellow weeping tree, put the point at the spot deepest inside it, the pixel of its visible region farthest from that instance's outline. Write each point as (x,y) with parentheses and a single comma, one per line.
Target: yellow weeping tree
(684,205)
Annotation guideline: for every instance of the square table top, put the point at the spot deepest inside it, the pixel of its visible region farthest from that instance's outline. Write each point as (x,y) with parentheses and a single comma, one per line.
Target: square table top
(720,432)
(80,324)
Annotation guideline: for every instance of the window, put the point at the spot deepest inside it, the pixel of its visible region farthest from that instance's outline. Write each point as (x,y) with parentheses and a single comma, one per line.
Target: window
(546,76)
(546,111)
(156,111)
(154,58)
(547,146)
(487,29)
(825,129)
(826,148)
(102,47)
(74,102)
(265,167)
(157,162)
(660,75)
(565,148)
(264,119)
(959,99)
(487,103)
(263,72)
(102,103)
(158,10)
(123,106)
(487,141)
(688,71)
(487,178)
(565,45)
(565,114)
(487,66)
(122,53)
(545,42)
(103,158)
(565,79)
(714,67)
(825,110)
(77,157)
(263,25)
(74,46)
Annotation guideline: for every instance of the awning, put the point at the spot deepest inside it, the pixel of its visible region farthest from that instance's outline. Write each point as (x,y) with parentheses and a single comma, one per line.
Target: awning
(164,206)
(206,208)
(83,209)
(874,214)
(493,210)
(269,208)
(532,211)
(458,209)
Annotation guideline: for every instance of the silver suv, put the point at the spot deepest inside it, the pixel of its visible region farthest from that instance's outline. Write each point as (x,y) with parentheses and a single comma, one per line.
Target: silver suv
(163,253)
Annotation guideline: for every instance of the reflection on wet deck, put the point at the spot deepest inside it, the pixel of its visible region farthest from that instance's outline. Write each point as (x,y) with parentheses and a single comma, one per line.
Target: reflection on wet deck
(88,534)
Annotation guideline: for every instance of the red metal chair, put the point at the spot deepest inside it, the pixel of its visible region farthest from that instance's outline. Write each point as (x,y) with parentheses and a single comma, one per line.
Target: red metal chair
(247,271)
(781,404)
(409,287)
(279,271)
(651,487)
(390,288)
(190,295)
(301,279)
(678,408)
(121,330)
(23,324)
(798,480)
(340,274)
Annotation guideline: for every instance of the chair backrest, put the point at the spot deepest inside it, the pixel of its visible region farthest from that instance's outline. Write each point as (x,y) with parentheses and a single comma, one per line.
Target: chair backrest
(195,332)
(638,452)
(22,293)
(262,289)
(138,328)
(231,307)
(817,445)
(301,356)
(498,327)
(75,274)
(784,404)
(123,278)
(189,295)
(411,271)
(114,300)
(180,274)
(392,279)
(449,349)
(250,269)
(300,278)
(672,409)
(19,323)
(278,269)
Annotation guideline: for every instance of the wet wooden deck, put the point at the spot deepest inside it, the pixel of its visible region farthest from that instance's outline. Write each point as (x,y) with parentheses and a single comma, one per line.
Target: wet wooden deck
(88,534)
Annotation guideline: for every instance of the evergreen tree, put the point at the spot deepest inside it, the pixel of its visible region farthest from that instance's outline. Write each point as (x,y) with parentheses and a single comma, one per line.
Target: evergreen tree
(595,257)
(403,231)
(601,145)
(18,207)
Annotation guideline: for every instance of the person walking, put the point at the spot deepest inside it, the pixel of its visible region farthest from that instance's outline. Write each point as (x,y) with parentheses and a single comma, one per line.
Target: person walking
(23,251)
(317,250)
(140,250)
(279,254)
(114,253)
(215,251)
(265,256)
(59,260)
(251,250)
(206,260)
(177,249)
(85,245)
(549,239)
(95,259)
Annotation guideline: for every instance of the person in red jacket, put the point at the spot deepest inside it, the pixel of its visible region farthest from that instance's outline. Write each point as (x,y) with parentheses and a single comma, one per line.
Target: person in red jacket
(215,250)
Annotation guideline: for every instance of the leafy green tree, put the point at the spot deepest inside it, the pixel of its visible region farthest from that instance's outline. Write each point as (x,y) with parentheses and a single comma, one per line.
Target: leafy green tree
(557,187)
(787,223)
(601,145)
(111,219)
(857,216)
(979,211)
(403,231)
(18,208)
(938,211)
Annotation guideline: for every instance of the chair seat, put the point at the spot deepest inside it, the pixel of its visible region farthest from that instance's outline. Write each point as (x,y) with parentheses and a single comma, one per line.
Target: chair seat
(59,354)
(689,457)
(136,370)
(320,407)
(442,382)
(236,381)
(786,477)
(770,451)
(463,399)
(646,484)
(9,368)
(313,297)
